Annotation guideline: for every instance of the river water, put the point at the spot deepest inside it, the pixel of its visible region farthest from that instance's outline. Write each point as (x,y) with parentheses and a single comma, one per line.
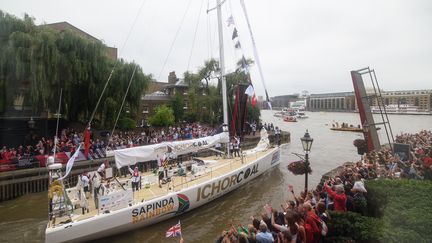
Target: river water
(24,219)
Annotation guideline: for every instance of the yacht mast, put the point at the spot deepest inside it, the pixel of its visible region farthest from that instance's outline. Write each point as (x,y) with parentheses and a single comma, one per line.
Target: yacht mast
(57,125)
(222,68)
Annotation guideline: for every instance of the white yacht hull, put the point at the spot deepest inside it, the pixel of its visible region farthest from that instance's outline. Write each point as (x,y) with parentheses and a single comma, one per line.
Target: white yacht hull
(162,208)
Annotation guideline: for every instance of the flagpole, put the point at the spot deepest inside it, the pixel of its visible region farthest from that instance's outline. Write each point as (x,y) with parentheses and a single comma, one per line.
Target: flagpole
(255,51)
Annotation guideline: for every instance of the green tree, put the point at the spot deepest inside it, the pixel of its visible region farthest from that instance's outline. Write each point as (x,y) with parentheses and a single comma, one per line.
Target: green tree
(254,113)
(37,61)
(177,106)
(205,100)
(164,116)
(126,123)
(208,71)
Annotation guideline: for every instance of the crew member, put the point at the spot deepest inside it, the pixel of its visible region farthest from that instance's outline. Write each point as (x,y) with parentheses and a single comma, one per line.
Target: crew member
(136,178)
(277,136)
(218,147)
(236,147)
(231,146)
(85,182)
(160,175)
(97,186)
(101,169)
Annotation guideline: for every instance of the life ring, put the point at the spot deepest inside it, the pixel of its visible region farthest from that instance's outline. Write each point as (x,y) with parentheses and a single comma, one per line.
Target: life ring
(56,187)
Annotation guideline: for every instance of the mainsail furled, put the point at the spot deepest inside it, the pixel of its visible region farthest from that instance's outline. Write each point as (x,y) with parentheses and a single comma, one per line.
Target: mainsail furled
(130,156)
(262,145)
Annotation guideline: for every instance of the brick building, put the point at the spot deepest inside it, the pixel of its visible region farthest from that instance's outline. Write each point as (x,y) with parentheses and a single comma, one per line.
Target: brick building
(162,93)
(111,52)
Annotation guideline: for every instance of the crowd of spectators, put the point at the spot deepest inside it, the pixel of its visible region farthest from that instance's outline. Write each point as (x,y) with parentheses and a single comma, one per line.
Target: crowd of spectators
(69,139)
(158,135)
(304,218)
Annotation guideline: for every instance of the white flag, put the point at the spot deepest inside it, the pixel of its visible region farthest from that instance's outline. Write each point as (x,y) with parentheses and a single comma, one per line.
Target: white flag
(250,90)
(270,105)
(230,21)
(70,162)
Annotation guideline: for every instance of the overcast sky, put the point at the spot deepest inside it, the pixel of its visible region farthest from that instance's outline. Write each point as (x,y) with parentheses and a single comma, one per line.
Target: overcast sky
(303,44)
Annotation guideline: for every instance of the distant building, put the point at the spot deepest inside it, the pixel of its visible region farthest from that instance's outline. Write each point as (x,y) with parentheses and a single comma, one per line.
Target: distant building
(419,98)
(261,103)
(345,101)
(341,101)
(111,52)
(282,101)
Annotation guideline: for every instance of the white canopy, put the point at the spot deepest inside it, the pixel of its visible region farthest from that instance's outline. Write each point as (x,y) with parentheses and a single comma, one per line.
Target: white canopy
(262,145)
(130,156)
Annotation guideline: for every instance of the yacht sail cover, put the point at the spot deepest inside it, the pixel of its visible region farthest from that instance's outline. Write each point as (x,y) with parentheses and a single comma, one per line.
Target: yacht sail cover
(130,156)
(262,145)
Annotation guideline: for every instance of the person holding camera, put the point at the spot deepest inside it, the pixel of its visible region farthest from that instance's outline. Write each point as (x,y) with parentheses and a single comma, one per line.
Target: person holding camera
(338,196)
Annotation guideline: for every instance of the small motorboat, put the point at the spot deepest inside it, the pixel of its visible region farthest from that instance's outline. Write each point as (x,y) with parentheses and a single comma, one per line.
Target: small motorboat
(290,119)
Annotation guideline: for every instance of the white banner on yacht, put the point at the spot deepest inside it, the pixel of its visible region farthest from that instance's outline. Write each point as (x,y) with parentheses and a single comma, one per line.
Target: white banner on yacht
(70,163)
(130,156)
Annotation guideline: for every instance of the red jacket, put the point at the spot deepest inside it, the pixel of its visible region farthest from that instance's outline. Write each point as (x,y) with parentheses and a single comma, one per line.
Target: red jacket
(338,199)
(427,161)
(312,227)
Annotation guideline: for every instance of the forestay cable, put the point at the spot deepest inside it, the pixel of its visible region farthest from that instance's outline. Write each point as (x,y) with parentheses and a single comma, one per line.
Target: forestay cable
(116,62)
(175,38)
(255,51)
(124,98)
(194,38)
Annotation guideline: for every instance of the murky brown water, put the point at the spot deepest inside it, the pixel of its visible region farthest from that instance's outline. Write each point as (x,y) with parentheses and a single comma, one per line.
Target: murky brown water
(24,219)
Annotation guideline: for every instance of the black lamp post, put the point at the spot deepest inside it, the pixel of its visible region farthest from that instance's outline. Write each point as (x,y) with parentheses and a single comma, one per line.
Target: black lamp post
(31,123)
(365,133)
(307,145)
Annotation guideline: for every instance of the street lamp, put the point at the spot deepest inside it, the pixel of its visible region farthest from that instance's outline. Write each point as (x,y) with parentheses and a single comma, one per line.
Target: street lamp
(307,145)
(365,133)
(31,123)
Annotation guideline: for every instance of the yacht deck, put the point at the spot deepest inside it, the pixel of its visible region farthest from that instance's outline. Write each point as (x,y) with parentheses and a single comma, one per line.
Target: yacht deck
(178,183)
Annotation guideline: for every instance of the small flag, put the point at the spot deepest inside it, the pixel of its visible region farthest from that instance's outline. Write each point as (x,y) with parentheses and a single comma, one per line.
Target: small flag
(244,64)
(235,34)
(269,105)
(174,231)
(230,21)
(237,45)
(250,90)
(253,100)
(87,141)
(70,163)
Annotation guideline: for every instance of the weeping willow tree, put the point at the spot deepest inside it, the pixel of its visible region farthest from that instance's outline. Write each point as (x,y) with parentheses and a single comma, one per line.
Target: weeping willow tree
(36,62)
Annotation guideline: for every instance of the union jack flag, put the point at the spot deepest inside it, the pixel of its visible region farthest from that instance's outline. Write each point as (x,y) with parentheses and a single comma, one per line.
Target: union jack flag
(174,231)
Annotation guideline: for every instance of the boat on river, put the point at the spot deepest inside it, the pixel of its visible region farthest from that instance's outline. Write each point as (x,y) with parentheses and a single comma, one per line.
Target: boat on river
(290,119)
(349,129)
(175,189)
(402,109)
(121,209)
(301,114)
